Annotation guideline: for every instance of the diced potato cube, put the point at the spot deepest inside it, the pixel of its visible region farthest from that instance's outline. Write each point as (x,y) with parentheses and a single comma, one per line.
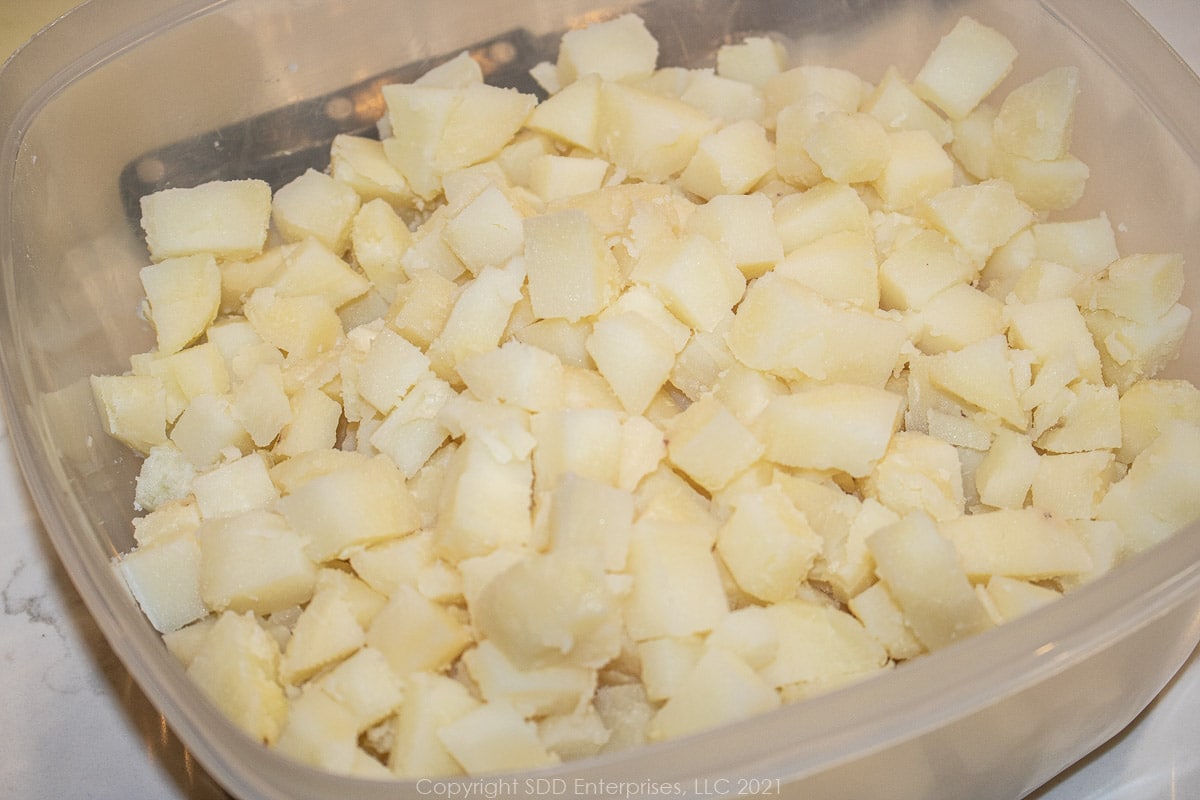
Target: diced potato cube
(767,544)
(553,177)
(320,732)
(615,49)
(819,646)
(1012,597)
(480,125)
(665,662)
(1130,350)
(979,217)
(1055,328)
(550,610)
(720,688)
(897,106)
(303,326)
(642,449)
(877,611)
(695,279)
(1043,185)
(917,168)
(361,163)
(1036,118)
(485,503)
(750,633)
(415,634)
(981,374)
(494,736)
(677,588)
(783,327)
(378,240)
(965,66)
(422,306)
(312,426)
(1090,421)
(478,319)
(326,632)
(744,227)
(1086,245)
(1005,475)
(710,445)
(186,642)
(634,356)
(723,98)
(753,60)
(729,161)
(582,440)
(1046,280)
(1069,485)
(234,487)
(363,600)
(312,268)
(837,426)
(199,369)
(133,409)
(841,87)
(350,508)
(516,373)
(974,143)
(164,578)
(1157,496)
(919,268)
(228,219)
(486,232)
(318,206)
(793,163)
(430,701)
(262,405)
(650,136)
(826,208)
(1148,406)
(253,562)
(849,147)
(922,572)
(176,515)
(460,71)
(1141,287)
(572,274)
(557,689)
(841,267)
(392,367)
(918,473)
(590,521)
(208,430)
(447,128)
(571,114)
(184,294)
(1020,543)
(956,317)
(237,666)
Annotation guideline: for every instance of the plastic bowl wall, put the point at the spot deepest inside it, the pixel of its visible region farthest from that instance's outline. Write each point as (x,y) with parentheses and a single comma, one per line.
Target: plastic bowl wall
(992,717)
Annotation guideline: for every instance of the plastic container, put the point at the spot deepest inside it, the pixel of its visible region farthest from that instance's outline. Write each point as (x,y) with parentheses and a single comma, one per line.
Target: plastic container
(123,95)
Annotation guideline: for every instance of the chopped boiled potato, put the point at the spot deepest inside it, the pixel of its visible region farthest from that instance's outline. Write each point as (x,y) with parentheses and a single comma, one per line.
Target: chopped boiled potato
(534,430)
(965,66)
(226,219)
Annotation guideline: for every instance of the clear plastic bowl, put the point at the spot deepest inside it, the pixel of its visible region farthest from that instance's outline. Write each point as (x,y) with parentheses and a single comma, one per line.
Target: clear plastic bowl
(94,111)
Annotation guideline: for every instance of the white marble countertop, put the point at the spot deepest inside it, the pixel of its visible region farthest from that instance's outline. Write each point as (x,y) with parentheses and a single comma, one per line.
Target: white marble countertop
(73,724)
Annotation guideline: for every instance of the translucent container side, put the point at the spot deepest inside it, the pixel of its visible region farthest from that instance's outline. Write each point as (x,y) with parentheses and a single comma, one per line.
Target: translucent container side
(117,79)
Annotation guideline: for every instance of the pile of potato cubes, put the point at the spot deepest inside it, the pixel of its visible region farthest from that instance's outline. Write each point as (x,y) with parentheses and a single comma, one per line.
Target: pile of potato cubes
(536,430)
